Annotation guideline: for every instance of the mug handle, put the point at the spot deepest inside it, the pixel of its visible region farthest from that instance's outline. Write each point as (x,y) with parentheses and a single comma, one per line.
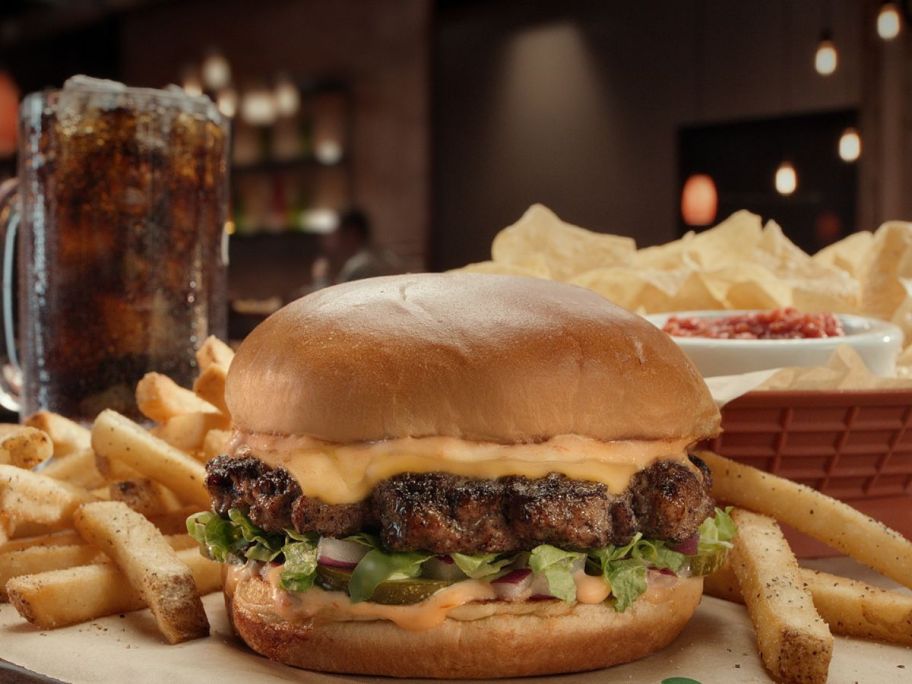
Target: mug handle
(10,370)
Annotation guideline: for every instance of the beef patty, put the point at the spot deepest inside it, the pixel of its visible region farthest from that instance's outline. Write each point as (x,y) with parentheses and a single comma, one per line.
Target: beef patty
(443,513)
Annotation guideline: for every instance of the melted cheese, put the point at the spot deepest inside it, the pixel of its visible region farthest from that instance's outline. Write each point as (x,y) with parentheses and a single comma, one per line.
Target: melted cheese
(340,474)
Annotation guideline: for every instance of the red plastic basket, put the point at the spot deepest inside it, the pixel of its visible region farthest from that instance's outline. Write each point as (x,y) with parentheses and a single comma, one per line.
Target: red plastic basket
(853,445)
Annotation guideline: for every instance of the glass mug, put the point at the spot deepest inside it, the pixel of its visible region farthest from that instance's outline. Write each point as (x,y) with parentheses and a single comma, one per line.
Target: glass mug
(121,207)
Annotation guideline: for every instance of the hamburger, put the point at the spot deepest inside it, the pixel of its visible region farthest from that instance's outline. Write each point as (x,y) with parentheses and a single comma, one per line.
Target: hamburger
(461,475)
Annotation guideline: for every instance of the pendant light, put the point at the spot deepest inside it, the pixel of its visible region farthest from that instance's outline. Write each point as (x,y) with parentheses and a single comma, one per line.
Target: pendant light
(786,179)
(850,145)
(889,21)
(699,200)
(826,59)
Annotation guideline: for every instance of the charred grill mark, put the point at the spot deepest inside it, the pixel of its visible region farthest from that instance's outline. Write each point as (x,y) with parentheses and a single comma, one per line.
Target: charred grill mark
(445,513)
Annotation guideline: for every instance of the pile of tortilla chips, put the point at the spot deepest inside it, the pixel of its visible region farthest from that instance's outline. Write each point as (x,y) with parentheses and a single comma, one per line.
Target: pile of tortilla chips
(739,264)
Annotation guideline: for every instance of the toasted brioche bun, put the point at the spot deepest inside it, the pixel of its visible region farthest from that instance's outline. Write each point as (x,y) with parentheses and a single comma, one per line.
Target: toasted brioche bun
(479,357)
(586,637)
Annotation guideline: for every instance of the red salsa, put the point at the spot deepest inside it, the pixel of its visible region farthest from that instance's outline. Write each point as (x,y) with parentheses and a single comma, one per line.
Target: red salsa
(778,324)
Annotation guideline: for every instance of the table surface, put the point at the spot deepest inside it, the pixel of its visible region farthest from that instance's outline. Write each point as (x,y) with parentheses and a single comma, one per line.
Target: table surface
(717,646)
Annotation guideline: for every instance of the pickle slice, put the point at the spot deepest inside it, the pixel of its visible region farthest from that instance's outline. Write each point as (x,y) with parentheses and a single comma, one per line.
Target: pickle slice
(391,592)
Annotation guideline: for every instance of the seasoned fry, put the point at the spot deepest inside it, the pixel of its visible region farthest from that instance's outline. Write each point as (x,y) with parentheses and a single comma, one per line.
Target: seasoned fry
(62,538)
(215,443)
(67,597)
(828,520)
(214,352)
(149,564)
(36,559)
(113,470)
(144,496)
(849,607)
(118,438)
(188,431)
(68,436)
(210,386)
(160,398)
(23,446)
(77,467)
(795,643)
(174,522)
(26,496)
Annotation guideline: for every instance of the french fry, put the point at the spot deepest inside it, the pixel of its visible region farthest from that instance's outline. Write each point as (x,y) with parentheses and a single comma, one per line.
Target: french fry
(113,470)
(160,398)
(215,443)
(67,597)
(214,352)
(118,438)
(144,496)
(77,467)
(817,515)
(68,436)
(174,522)
(26,496)
(795,643)
(25,447)
(149,564)
(210,386)
(188,432)
(36,559)
(62,538)
(849,607)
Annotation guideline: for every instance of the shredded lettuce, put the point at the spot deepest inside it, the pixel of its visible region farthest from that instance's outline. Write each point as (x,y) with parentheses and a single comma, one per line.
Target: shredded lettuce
(482,565)
(716,535)
(300,568)
(624,568)
(557,567)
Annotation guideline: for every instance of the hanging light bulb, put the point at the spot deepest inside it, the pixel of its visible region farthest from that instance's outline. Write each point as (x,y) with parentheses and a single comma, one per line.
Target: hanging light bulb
(850,145)
(826,59)
(258,107)
(699,200)
(287,97)
(227,102)
(786,179)
(216,71)
(889,21)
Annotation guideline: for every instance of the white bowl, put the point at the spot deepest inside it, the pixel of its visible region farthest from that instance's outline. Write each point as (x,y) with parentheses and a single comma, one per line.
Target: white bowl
(877,342)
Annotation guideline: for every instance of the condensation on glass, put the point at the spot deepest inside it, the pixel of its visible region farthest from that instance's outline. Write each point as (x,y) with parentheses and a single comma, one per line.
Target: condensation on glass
(122,268)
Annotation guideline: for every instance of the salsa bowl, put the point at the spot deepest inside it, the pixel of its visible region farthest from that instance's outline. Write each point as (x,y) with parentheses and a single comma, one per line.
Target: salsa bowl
(877,342)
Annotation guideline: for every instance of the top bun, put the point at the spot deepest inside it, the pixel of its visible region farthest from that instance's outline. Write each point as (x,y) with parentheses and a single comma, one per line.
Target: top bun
(479,357)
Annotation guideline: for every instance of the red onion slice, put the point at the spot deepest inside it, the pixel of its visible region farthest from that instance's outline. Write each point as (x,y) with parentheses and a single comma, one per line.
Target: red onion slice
(514,585)
(689,546)
(338,553)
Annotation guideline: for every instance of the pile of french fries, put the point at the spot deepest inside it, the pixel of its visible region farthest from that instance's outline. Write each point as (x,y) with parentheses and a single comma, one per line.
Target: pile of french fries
(795,611)
(92,521)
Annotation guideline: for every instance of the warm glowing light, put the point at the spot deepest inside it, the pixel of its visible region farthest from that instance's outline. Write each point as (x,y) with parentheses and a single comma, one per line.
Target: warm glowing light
(826,59)
(230,227)
(191,82)
(850,145)
(328,152)
(889,21)
(258,107)
(216,71)
(287,97)
(786,179)
(227,101)
(699,200)
(320,220)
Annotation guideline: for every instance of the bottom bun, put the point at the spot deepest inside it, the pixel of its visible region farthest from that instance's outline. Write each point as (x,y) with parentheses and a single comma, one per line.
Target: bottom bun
(585,637)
